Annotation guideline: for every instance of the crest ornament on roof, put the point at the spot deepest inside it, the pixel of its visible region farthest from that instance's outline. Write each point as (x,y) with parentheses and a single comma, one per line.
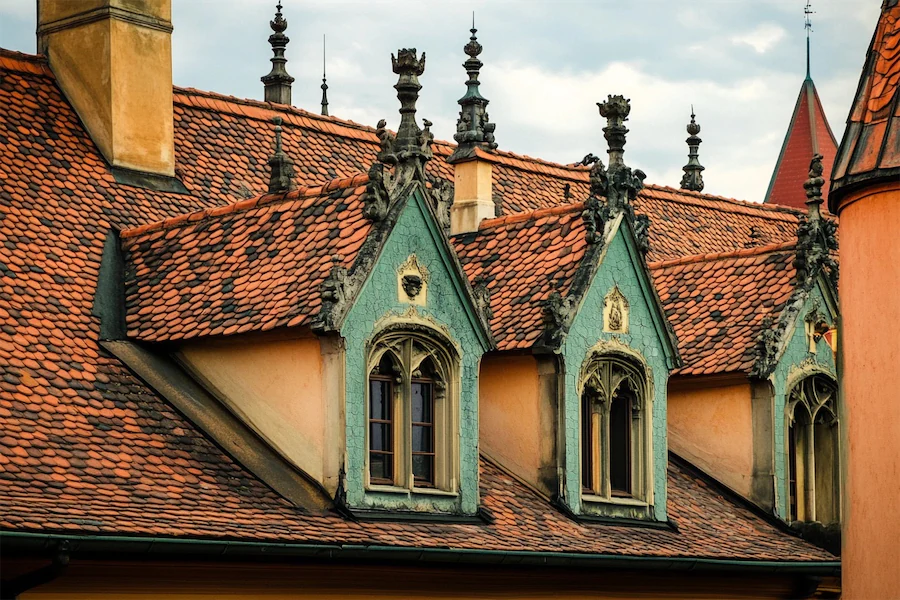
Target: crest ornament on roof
(618,184)
(278,82)
(816,235)
(281,167)
(693,170)
(473,128)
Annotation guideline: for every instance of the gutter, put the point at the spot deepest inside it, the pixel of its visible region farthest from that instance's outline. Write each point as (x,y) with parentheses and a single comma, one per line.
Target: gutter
(142,547)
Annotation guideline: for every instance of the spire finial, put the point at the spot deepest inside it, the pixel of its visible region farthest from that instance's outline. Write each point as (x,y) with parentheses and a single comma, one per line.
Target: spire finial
(324,85)
(807,24)
(473,128)
(410,147)
(693,170)
(278,82)
(813,187)
(816,238)
(281,177)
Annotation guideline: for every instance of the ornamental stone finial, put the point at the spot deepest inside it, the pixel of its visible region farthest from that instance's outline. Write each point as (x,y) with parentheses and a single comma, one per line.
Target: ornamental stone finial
(473,129)
(693,170)
(618,183)
(816,235)
(281,177)
(410,147)
(278,82)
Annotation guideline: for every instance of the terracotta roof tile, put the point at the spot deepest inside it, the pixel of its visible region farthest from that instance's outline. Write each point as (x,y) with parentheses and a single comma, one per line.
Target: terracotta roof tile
(716,303)
(523,258)
(87,447)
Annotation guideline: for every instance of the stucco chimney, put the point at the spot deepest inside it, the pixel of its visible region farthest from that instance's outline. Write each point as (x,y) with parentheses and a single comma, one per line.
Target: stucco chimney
(473,197)
(113,61)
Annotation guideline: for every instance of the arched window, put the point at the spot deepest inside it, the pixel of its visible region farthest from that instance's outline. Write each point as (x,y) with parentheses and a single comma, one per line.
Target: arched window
(613,437)
(813,450)
(412,389)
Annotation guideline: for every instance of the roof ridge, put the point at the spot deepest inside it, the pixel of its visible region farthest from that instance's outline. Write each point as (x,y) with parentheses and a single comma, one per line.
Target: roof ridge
(25,63)
(713,256)
(694,198)
(537,213)
(248,204)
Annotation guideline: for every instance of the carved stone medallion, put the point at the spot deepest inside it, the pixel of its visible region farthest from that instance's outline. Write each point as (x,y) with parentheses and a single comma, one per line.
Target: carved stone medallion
(615,312)
(412,282)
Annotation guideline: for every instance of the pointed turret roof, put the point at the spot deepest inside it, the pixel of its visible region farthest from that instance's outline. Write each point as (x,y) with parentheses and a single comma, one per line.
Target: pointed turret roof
(870,150)
(808,133)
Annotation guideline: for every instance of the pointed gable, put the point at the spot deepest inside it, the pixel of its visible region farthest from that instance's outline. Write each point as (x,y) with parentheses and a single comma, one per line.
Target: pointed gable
(808,133)
(870,149)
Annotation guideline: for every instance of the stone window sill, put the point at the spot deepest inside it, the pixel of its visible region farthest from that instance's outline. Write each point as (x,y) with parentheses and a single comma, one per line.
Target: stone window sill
(619,500)
(391,489)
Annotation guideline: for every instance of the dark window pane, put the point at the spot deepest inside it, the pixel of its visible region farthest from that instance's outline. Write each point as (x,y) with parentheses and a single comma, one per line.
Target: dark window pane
(620,445)
(378,466)
(587,445)
(423,469)
(421,402)
(422,439)
(380,436)
(379,399)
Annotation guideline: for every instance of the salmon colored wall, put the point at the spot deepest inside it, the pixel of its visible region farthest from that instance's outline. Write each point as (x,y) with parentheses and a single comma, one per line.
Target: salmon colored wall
(713,429)
(870,378)
(277,387)
(510,414)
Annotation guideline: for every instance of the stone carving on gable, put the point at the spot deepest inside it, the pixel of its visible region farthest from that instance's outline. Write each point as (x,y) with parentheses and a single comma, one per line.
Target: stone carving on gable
(816,235)
(615,312)
(816,326)
(558,313)
(412,282)
(765,351)
(482,297)
(334,292)
(441,195)
(376,200)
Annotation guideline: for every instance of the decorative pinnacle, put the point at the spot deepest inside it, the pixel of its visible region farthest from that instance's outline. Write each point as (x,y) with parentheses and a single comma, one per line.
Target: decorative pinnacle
(693,170)
(615,110)
(278,82)
(473,128)
(410,147)
(281,177)
(324,85)
(813,187)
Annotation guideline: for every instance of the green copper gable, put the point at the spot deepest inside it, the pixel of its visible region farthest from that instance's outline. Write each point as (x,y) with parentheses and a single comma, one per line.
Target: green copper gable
(796,361)
(621,266)
(447,309)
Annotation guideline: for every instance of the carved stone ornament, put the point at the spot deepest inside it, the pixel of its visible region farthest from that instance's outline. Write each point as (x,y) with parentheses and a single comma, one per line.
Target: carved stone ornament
(376,200)
(615,312)
(441,195)
(412,282)
(281,167)
(473,128)
(816,235)
(693,170)
(482,297)
(334,293)
(558,312)
(765,351)
(816,326)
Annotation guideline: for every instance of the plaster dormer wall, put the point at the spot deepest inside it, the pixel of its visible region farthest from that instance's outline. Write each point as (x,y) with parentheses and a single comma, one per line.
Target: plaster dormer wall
(280,388)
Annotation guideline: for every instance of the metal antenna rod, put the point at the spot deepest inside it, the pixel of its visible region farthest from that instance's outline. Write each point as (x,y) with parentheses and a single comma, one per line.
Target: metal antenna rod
(807,11)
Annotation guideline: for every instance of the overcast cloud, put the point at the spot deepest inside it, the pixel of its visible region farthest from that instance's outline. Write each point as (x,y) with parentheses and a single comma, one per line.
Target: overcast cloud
(740,63)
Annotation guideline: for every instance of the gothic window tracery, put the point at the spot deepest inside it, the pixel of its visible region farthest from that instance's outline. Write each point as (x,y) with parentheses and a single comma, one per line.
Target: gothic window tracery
(613,437)
(412,391)
(813,450)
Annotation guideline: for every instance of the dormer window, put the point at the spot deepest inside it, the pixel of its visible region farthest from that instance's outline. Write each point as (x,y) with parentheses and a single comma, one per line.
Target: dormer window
(411,414)
(613,438)
(813,450)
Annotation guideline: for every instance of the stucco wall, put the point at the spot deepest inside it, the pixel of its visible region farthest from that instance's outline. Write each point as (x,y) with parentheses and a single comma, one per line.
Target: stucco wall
(617,269)
(278,388)
(870,378)
(515,427)
(796,356)
(446,310)
(713,428)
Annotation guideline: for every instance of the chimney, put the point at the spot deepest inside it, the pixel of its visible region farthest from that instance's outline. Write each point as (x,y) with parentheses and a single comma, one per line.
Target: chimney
(472,197)
(113,61)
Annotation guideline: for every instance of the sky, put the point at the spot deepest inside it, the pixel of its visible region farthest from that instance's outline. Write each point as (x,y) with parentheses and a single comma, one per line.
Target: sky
(740,63)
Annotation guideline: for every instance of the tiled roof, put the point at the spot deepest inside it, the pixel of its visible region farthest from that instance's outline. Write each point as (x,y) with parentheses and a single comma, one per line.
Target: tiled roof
(85,447)
(871,145)
(808,133)
(522,259)
(709,525)
(254,265)
(716,303)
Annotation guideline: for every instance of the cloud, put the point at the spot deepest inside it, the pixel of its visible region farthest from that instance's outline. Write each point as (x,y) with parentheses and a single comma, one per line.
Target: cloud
(762,38)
